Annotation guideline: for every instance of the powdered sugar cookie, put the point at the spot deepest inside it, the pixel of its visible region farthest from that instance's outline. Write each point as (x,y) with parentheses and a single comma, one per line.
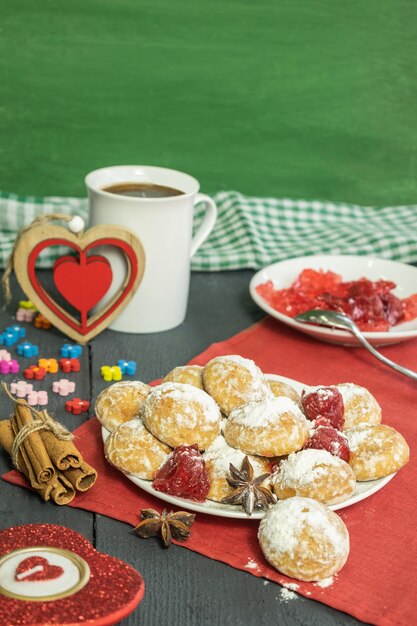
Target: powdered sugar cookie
(133,449)
(304,539)
(189,374)
(233,381)
(376,451)
(279,388)
(178,413)
(269,428)
(218,458)
(314,474)
(120,402)
(360,406)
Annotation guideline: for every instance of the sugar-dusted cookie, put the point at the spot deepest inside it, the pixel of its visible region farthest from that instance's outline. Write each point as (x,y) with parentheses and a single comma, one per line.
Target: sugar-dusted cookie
(120,402)
(360,405)
(304,539)
(376,451)
(269,428)
(133,449)
(279,388)
(218,457)
(314,474)
(190,374)
(178,413)
(233,381)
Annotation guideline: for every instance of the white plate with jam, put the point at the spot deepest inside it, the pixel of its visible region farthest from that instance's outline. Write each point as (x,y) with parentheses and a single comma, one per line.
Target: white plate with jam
(350,268)
(363,489)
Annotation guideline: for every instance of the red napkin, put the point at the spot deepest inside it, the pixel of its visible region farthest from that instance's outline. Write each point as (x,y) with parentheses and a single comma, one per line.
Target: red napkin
(374,586)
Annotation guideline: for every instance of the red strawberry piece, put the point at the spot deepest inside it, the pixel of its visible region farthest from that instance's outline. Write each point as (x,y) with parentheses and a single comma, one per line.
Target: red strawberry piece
(184,474)
(328,438)
(36,568)
(321,421)
(324,402)
(410,307)
(393,308)
(315,282)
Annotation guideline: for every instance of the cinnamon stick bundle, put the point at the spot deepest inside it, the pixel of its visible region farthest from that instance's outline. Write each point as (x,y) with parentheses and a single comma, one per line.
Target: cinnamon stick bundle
(59,488)
(42,449)
(82,478)
(33,445)
(63,453)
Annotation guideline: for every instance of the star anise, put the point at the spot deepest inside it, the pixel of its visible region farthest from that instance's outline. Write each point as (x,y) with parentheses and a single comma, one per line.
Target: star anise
(248,491)
(167,525)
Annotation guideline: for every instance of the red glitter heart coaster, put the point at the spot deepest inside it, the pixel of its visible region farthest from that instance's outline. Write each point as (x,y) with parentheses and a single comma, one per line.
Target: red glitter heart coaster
(50,574)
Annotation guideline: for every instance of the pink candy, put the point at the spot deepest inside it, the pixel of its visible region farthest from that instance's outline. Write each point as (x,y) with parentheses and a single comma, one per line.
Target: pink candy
(21,388)
(25,315)
(9,367)
(37,397)
(5,356)
(64,387)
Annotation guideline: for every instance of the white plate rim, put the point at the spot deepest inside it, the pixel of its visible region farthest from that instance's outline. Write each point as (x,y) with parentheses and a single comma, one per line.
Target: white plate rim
(328,261)
(363,489)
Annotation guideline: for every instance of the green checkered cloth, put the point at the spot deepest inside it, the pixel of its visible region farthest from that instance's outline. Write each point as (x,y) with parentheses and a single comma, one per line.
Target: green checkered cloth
(254,232)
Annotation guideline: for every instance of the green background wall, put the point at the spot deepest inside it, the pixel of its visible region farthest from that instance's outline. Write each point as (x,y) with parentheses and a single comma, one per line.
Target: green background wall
(297,98)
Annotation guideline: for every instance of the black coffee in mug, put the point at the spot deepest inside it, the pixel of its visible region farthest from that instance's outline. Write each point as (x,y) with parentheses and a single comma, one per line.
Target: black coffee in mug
(142,190)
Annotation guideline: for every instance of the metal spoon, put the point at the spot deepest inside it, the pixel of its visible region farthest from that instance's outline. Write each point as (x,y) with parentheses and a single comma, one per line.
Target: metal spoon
(339,320)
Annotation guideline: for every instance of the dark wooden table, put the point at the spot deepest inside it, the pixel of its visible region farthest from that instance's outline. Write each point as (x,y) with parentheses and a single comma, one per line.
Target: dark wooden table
(182,587)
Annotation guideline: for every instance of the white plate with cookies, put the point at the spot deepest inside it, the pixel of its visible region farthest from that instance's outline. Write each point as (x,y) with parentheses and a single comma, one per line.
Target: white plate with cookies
(362,491)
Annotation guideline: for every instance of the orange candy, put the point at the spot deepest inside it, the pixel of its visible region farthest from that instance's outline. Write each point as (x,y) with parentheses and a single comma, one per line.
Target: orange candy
(49,365)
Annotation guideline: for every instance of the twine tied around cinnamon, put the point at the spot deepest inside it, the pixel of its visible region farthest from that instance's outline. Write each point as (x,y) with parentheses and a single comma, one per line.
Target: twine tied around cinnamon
(42,421)
(38,221)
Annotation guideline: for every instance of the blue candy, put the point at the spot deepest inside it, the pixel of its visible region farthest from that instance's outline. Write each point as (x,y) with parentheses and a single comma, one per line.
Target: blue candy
(127,367)
(8,339)
(19,331)
(69,351)
(27,349)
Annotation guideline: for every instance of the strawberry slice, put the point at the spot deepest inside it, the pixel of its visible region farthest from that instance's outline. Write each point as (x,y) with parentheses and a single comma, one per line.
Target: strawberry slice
(328,438)
(184,474)
(324,402)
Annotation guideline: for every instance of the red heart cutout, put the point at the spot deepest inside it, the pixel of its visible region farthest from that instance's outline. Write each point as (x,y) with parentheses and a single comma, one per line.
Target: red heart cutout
(37,568)
(112,592)
(84,281)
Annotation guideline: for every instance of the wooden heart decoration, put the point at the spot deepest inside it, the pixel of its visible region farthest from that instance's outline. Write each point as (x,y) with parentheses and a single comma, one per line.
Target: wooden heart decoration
(37,568)
(83,279)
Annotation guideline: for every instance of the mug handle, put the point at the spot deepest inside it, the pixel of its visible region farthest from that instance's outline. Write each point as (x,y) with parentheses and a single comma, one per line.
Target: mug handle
(206,225)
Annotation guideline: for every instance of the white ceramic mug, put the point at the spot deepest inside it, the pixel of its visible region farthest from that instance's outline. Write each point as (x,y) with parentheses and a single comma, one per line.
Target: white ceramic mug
(164,225)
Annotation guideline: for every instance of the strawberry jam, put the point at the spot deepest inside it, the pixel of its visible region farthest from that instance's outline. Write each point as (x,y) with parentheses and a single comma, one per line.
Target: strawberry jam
(184,474)
(324,402)
(328,438)
(371,305)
